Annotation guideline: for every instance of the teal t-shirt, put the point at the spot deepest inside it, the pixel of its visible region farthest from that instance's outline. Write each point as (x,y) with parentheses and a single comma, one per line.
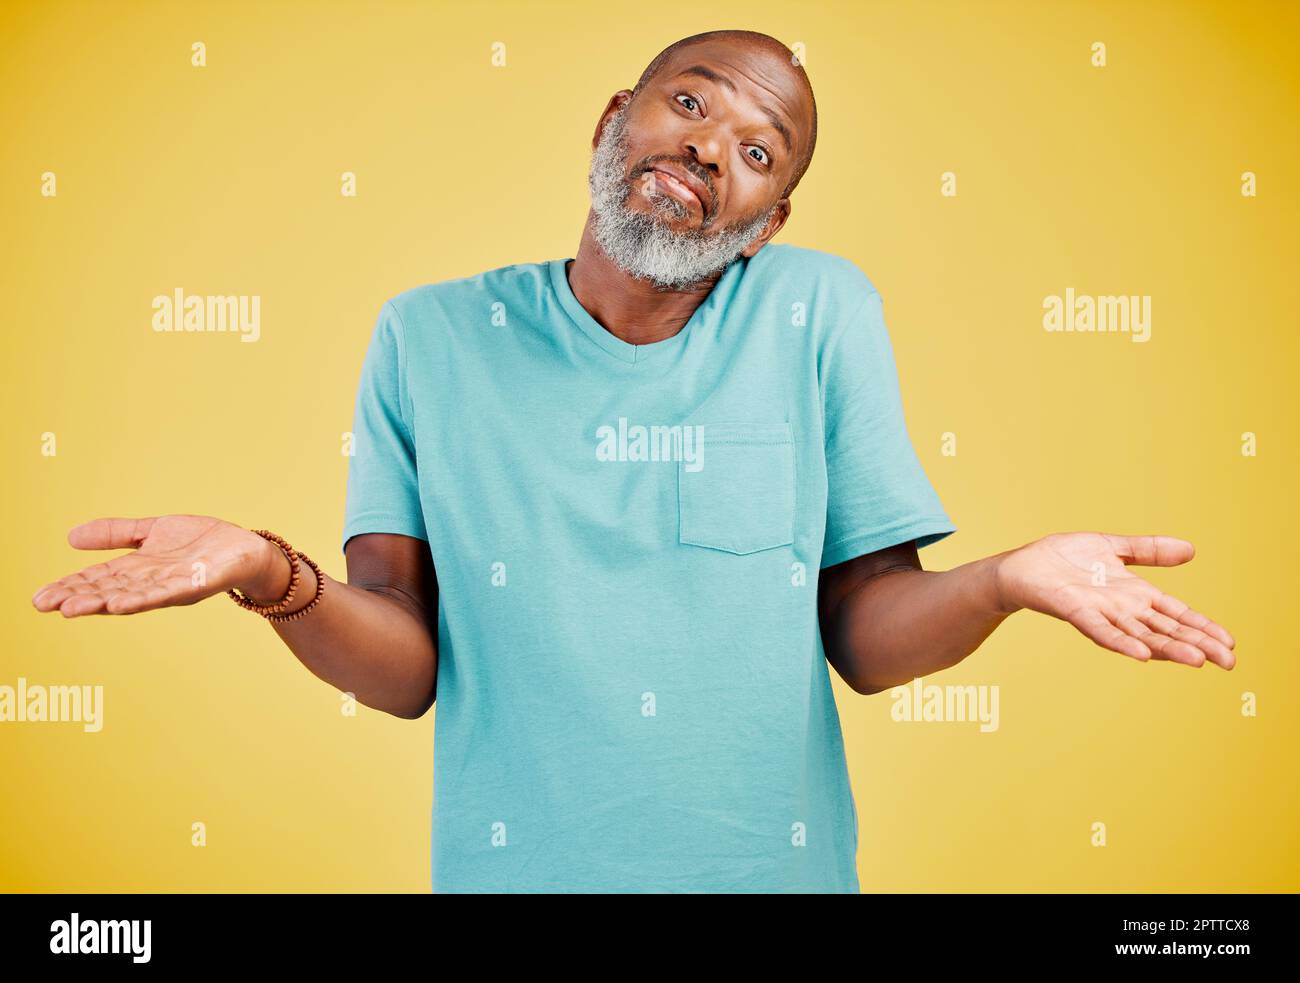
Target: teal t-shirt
(632,692)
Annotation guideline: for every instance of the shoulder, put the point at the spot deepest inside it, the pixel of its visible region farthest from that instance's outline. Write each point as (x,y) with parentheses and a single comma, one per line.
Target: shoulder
(429,305)
(832,277)
(829,293)
(825,291)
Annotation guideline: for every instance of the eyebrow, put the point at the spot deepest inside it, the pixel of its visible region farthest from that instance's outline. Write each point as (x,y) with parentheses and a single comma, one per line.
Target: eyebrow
(772,117)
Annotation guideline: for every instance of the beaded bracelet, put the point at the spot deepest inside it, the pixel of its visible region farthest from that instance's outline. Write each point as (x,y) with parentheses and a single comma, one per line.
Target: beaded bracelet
(272,612)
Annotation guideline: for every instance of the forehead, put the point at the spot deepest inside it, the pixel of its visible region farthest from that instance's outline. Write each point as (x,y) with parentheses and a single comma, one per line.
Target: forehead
(751,74)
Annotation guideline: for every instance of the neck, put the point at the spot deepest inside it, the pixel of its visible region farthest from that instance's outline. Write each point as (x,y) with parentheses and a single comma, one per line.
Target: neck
(631,309)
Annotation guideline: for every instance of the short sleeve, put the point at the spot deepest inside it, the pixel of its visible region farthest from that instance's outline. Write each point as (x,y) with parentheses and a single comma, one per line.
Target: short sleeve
(383,492)
(878,494)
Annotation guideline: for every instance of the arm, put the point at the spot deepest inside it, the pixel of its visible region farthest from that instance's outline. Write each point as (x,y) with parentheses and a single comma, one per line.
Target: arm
(374,636)
(886,621)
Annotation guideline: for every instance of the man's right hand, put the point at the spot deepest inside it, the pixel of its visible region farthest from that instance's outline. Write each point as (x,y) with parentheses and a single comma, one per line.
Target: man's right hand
(175,560)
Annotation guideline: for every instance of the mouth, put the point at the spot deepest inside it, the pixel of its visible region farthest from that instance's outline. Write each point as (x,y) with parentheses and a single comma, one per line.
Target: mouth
(680,184)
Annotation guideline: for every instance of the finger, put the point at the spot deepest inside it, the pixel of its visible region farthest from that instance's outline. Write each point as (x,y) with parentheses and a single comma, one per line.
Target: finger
(110,533)
(1092,623)
(112,600)
(1161,646)
(82,597)
(105,575)
(119,572)
(104,583)
(148,597)
(49,597)
(1175,608)
(1152,551)
(81,604)
(1214,650)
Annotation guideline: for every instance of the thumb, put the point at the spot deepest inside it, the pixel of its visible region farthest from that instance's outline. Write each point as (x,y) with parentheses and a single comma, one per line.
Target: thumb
(1152,551)
(110,534)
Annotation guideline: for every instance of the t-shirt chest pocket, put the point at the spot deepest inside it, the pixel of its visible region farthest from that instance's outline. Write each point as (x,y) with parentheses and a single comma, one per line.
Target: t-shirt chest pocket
(738,495)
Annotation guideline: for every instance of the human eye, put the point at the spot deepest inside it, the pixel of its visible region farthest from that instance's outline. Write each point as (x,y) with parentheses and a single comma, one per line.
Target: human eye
(767,158)
(683,95)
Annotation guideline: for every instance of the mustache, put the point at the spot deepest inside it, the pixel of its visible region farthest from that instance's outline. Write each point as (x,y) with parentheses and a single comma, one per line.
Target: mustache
(689,166)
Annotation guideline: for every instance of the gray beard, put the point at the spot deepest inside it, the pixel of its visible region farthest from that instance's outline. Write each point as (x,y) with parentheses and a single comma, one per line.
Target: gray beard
(642,245)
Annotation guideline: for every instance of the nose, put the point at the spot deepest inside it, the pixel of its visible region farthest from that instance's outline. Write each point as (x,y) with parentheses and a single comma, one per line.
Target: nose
(706,153)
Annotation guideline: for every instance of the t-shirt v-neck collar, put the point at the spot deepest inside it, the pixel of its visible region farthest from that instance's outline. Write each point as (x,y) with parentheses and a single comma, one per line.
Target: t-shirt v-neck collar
(626,351)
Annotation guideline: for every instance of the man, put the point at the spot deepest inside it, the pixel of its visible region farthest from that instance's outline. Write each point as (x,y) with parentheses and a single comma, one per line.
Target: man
(616,513)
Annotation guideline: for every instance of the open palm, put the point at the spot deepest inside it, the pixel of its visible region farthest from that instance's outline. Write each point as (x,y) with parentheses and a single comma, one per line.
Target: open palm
(176,560)
(1081,578)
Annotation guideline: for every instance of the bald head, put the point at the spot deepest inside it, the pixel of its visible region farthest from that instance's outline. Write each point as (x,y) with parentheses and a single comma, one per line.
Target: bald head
(775,62)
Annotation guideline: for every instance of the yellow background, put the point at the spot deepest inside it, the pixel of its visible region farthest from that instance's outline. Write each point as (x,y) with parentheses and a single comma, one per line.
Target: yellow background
(225,180)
